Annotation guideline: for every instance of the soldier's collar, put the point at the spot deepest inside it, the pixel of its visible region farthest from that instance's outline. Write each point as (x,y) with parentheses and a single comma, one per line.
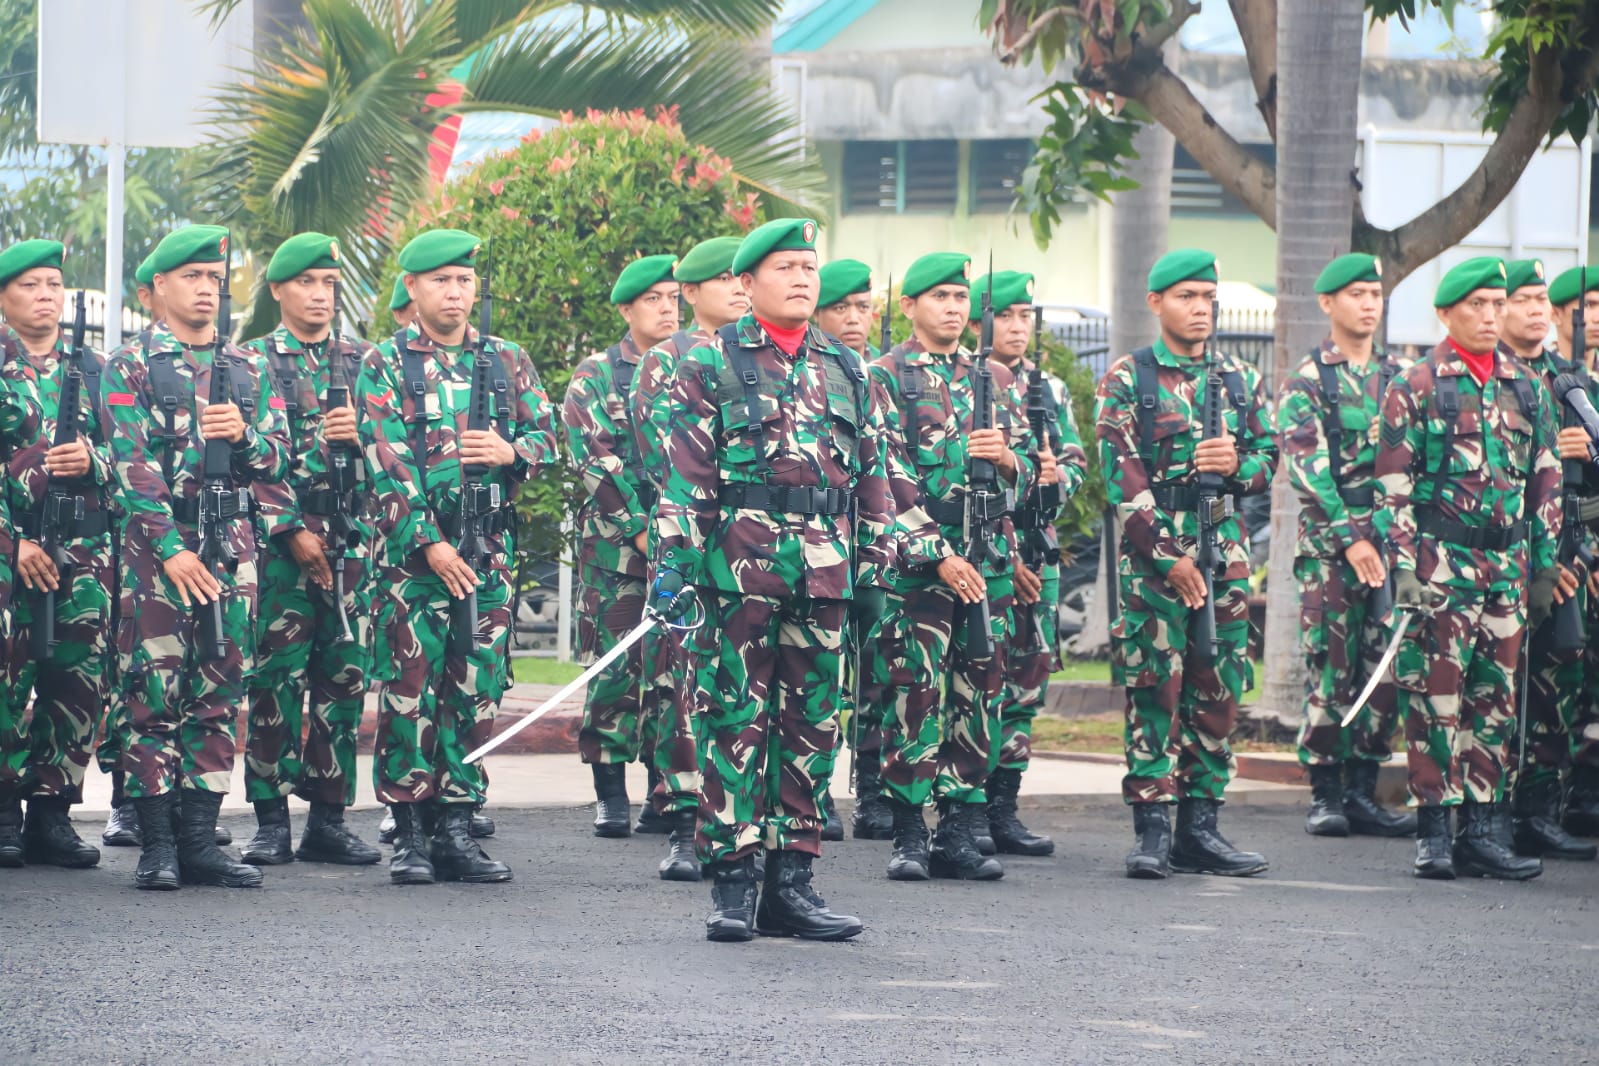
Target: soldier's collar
(1332,355)
(629,348)
(1166,357)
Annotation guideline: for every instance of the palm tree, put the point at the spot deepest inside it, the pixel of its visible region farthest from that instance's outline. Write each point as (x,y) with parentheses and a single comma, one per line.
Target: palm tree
(332,132)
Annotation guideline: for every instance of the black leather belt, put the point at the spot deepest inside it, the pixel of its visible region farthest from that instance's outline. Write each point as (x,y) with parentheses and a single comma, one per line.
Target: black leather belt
(786,499)
(95,523)
(1488,538)
(234,505)
(1363,497)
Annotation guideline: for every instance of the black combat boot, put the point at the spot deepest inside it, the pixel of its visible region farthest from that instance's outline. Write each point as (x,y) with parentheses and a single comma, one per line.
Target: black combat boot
(610,799)
(909,859)
(1582,802)
(954,852)
(1011,837)
(1326,818)
(386,827)
(10,831)
(456,856)
(48,838)
(200,861)
(481,826)
(649,821)
(409,865)
(790,907)
(1435,857)
(1536,828)
(732,916)
(273,843)
(122,827)
(1150,859)
(1483,847)
(832,824)
(1367,817)
(328,839)
(872,819)
(1199,848)
(982,835)
(680,863)
(158,859)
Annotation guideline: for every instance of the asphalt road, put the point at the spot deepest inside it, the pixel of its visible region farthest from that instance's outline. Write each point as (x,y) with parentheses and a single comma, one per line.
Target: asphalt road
(1337,955)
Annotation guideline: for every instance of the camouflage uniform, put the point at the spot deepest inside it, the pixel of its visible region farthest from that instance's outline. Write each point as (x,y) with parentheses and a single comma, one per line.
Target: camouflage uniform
(1180,711)
(1341,642)
(181,712)
(1456,674)
(299,649)
(767,540)
(436,705)
(69,689)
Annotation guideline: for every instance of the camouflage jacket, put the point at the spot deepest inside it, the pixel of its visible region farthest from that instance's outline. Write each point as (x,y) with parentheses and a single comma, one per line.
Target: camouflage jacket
(300,377)
(650,401)
(1328,523)
(38,382)
(156,464)
(600,438)
(1549,365)
(1500,470)
(935,446)
(414,494)
(1156,536)
(812,431)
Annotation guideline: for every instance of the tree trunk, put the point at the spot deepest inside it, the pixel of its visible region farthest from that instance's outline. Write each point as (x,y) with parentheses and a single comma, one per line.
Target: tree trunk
(1318,83)
(1138,225)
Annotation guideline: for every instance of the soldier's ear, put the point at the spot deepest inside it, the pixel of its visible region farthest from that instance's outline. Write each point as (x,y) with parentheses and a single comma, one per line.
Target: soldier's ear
(1153,300)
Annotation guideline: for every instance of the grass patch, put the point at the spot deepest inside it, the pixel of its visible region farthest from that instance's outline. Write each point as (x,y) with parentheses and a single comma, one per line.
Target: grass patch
(538,670)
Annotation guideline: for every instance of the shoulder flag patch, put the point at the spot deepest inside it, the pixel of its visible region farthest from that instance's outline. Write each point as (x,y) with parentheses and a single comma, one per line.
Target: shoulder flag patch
(119,399)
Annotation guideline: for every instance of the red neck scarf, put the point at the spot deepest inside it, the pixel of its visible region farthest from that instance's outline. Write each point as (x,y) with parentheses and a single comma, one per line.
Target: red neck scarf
(1481,364)
(787,340)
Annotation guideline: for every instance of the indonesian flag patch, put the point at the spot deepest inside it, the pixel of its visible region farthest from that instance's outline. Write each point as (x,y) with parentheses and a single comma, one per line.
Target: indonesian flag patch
(119,399)
(277,403)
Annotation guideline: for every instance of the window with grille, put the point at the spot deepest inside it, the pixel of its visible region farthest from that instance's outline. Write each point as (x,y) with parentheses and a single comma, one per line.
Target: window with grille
(900,177)
(997,172)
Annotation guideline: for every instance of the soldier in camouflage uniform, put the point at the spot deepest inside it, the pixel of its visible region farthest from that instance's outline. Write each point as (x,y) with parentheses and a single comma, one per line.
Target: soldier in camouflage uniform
(1557,700)
(305,646)
(180,698)
(766,466)
(1180,707)
(716,295)
(414,407)
(844,309)
(400,305)
(1471,505)
(1580,815)
(611,523)
(1034,651)
(1327,419)
(46,759)
(941,733)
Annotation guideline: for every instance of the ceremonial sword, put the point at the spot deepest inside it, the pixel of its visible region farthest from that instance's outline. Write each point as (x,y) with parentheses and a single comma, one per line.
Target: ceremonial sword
(1401,623)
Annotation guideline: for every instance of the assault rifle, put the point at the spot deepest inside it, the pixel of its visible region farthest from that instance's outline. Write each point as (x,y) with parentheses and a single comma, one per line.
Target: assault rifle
(219,501)
(985,502)
(344,461)
(885,336)
(480,498)
(60,509)
(1214,507)
(1035,519)
(1570,631)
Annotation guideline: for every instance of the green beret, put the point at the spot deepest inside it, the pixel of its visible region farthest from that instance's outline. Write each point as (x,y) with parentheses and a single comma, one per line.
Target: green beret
(1185,264)
(1346,270)
(707,260)
(145,275)
(637,277)
(191,244)
(1522,272)
(936,268)
(1483,272)
(1567,286)
(439,248)
(778,235)
(399,299)
(25,255)
(1011,287)
(302,252)
(841,278)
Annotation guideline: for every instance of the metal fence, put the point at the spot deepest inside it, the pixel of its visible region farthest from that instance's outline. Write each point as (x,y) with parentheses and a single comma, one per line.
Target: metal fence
(1248,334)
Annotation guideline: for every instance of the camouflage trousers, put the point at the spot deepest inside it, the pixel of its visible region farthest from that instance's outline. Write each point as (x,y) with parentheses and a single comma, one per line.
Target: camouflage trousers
(940,739)
(667,734)
(1342,646)
(609,605)
(1027,670)
(299,654)
(876,705)
(48,755)
(767,678)
(435,704)
(179,712)
(1180,710)
(1456,676)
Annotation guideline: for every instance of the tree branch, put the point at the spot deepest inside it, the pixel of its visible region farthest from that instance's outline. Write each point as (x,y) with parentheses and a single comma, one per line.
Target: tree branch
(1257,25)
(1014,50)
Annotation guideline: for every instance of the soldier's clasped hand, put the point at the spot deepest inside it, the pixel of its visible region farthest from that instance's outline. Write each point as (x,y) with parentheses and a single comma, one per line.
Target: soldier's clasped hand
(1218,456)
(486,448)
(1186,580)
(1048,468)
(1367,561)
(447,563)
(338,425)
(1028,584)
(38,570)
(990,444)
(963,578)
(222,421)
(67,460)
(1573,443)
(310,551)
(194,582)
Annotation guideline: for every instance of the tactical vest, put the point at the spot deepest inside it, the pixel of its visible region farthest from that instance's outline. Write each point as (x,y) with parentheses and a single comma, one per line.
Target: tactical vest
(622,377)
(165,387)
(1332,423)
(1147,380)
(1446,401)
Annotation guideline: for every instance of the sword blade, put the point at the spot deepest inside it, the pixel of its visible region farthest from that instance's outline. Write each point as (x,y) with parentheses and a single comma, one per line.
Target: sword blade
(633,637)
(1401,623)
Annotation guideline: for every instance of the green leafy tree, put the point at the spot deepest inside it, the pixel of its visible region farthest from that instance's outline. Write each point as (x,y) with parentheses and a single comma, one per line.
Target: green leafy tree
(565,211)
